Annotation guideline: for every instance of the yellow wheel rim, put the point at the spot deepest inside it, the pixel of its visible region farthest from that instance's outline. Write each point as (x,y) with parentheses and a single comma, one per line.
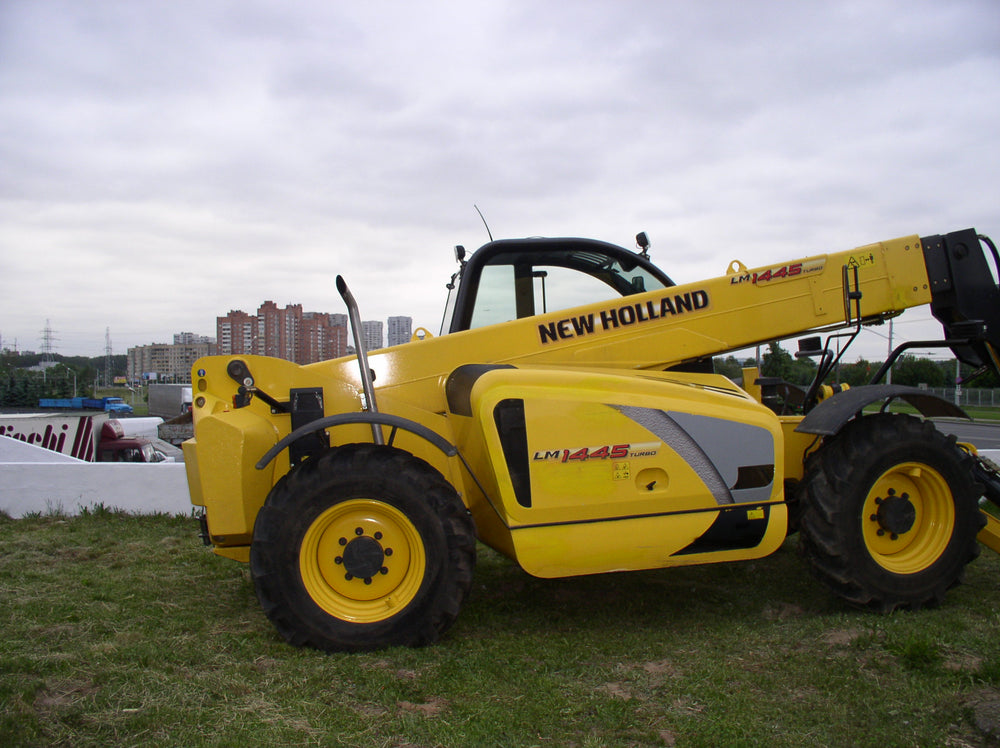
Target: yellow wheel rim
(362,561)
(909,518)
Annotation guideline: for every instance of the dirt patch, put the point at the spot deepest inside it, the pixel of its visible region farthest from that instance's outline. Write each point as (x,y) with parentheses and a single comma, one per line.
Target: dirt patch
(616,690)
(668,737)
(265,664)
(687,706)
(959,663)
(840,637)
(663,668)
(430,708)
(389,667)
(782,612)
(369,710)
(61,694)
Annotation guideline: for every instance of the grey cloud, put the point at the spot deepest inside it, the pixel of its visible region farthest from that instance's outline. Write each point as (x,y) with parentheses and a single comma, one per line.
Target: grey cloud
(254,150)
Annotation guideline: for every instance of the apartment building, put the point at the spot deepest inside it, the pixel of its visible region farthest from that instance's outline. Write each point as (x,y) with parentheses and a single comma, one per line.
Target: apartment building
(165,361)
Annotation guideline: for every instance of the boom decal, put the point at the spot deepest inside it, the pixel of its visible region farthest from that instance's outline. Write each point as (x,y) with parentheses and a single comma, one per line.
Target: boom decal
(623,316)
(782,272)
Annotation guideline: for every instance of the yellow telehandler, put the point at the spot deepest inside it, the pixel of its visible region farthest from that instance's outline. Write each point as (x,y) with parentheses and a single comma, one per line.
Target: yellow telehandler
(570,418)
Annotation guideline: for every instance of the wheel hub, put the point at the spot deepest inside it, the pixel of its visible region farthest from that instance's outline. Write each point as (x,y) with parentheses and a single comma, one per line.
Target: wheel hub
(895,514)
(363,556)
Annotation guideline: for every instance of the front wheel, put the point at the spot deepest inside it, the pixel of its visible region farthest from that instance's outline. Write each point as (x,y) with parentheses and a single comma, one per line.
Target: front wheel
(889,513)
(360,548)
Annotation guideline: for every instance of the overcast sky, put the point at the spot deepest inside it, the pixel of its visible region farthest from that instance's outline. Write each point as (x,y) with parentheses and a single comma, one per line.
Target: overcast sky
(162,163)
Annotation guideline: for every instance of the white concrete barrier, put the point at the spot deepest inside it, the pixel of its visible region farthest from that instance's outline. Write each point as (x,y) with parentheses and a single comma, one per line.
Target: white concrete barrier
(33,479)
(14,450)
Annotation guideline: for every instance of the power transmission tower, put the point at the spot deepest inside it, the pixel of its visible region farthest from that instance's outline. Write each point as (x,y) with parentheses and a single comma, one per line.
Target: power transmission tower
(48,339)
(107,356)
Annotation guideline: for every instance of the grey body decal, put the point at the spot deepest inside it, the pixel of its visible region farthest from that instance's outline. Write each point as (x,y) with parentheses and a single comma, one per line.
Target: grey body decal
(717,450)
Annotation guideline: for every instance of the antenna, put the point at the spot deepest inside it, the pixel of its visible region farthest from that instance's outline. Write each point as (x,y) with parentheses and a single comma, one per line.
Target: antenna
(488,232)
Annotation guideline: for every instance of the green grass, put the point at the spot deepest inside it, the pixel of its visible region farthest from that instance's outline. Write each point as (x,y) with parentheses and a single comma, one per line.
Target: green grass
(980,414)
(124,630)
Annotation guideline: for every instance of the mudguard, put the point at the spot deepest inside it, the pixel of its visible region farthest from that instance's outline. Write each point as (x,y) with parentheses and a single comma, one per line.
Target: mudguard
(827,418)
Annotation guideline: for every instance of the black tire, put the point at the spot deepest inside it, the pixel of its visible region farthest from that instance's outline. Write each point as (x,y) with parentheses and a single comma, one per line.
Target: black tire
(889,513)
(360,548)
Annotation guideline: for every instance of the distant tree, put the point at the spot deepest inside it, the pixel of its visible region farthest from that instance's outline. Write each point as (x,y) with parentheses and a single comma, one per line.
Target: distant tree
(22,388)
(729,367)
(913,371)
(802,371)
(855,374)
(777,362)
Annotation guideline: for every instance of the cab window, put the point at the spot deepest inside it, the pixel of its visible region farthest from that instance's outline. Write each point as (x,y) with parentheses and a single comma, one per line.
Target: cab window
(502,296)
(538,276)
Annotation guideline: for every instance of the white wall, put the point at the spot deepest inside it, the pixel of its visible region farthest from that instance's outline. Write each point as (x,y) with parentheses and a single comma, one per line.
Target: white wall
(33,479)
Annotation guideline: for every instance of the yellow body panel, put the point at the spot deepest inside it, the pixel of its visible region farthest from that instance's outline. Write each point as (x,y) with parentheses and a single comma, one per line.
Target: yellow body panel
(236,553)
(226,452)
(594,515)
(624,469)
(990,535)
(633,544)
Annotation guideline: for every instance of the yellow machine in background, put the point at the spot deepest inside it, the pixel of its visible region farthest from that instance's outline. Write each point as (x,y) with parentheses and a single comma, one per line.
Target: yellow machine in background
(571,420)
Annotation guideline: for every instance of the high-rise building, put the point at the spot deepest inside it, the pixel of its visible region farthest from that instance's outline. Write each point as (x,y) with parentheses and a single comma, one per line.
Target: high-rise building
(165,362)
(278,330)
(340,335)
(297,336)
(189,338)
(371,334)
(291,329)
(236,333)
(400,330)
(268,329)
(324,336)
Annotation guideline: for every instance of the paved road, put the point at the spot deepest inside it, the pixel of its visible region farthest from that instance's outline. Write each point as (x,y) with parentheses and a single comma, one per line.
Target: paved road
(982,435)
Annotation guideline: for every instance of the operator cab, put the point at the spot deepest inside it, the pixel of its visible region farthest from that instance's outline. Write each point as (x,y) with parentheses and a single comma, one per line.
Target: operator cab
(514,278)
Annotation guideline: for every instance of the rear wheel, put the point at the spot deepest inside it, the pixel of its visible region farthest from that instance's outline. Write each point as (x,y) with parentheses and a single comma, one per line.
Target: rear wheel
(361,548)
(889,513)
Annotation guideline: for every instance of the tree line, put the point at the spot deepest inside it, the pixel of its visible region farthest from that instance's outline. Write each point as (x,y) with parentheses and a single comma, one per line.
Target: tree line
(21,386)
(908,370)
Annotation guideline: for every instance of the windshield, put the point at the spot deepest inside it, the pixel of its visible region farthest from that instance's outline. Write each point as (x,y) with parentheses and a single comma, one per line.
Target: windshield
(151,454)
(521,278)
